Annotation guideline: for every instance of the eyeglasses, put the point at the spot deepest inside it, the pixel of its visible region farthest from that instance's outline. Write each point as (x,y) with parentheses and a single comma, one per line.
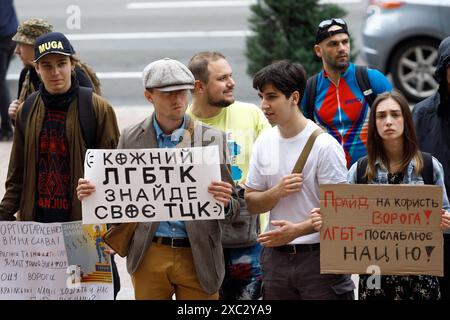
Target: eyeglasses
(330,22)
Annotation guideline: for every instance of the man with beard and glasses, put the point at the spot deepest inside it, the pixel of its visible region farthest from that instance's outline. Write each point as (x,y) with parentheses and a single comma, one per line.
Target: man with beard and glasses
(213,103)
(339,104)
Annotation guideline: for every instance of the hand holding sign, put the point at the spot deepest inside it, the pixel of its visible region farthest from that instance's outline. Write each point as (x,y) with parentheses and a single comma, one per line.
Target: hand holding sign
(445,221)
(84,189)
(316,219)
(221,191)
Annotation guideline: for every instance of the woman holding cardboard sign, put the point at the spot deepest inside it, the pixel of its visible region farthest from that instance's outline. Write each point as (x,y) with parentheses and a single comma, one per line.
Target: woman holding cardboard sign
(393,157)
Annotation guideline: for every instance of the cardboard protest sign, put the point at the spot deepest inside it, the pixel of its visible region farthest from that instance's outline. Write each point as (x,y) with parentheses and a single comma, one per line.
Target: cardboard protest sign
(383,229)
(142,185)
(54,261)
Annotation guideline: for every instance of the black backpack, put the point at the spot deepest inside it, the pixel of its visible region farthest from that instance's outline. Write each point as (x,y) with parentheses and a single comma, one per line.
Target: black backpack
(427,172)
(361,78)
(86,115)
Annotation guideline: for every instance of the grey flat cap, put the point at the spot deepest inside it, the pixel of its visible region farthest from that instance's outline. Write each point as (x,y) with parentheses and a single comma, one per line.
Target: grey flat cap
(167,75)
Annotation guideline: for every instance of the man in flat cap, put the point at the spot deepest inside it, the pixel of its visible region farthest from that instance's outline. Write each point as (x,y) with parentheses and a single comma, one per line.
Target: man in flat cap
(29,81)
(49,146)
(176,257)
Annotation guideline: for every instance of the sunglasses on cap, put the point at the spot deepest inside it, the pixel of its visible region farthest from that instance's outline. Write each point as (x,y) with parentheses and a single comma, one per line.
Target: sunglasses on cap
(329,22)
(322,30)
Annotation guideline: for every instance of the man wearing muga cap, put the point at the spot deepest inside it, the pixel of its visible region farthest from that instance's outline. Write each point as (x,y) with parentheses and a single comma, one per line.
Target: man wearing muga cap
(29,81)
(47,155)
(176,257)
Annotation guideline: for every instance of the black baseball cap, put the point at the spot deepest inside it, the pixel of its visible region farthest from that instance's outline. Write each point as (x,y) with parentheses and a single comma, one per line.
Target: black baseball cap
(53,42)
(322,30)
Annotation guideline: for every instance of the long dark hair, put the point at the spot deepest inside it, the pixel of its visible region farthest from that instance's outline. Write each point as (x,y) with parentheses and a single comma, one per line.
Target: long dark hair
(375,146)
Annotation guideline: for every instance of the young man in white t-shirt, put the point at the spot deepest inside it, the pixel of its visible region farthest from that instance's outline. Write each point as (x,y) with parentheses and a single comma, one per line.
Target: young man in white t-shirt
(291,255)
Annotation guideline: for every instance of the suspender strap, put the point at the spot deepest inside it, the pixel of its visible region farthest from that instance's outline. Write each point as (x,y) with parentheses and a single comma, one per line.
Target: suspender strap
(26,109)
(427,172)
(361,168)
(364,84)
(87,118)
(298,168)
(310,92)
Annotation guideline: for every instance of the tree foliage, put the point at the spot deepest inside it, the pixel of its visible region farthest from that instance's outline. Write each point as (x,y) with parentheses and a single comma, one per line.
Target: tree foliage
(286,29)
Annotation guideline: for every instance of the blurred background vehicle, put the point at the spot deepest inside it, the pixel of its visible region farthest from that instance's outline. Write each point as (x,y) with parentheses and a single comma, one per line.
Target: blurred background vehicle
(402,37)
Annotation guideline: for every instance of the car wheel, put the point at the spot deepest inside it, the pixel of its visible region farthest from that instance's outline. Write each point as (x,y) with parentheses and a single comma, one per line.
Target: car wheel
(412,68)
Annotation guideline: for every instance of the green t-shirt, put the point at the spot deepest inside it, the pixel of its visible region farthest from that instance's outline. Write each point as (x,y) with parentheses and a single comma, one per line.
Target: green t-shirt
(242,123)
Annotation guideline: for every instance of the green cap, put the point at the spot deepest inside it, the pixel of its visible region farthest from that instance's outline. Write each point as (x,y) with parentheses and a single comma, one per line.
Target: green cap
(29,30)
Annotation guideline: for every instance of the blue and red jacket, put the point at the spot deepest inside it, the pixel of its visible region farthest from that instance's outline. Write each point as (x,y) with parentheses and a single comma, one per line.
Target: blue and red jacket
(343,111)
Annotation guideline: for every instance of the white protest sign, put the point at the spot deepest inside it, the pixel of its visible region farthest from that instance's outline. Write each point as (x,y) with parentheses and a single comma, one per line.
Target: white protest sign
(54,261)
(142,185)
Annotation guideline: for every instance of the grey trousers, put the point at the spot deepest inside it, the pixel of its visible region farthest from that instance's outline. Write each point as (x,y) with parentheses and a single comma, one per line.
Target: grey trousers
(297,277)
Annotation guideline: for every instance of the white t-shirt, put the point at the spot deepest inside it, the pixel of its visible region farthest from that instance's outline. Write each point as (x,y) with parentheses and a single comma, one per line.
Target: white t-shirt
(274,157)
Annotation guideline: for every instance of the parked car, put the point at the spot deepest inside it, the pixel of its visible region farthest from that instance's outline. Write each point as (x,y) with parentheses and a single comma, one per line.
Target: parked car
(402,37)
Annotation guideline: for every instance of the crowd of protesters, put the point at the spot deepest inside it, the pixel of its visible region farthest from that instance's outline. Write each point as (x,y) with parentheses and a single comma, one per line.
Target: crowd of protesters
(332,117)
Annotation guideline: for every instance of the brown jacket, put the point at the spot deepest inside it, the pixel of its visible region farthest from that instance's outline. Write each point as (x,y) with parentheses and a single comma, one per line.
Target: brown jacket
(21,182)
(204,235)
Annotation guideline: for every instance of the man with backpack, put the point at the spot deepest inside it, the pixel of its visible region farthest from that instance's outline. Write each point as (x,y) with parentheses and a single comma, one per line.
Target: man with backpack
(339,97)
(29,81)
(54,128)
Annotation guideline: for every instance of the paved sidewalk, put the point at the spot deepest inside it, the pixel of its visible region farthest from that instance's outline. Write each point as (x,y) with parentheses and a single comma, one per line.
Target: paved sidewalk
(126,116)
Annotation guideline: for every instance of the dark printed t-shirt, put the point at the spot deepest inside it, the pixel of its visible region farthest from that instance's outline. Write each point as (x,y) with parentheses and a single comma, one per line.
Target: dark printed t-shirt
(53,182)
